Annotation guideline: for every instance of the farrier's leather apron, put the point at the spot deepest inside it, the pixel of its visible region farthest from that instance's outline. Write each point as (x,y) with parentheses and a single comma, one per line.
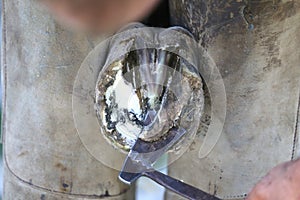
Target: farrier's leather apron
(260,68)
(256,48)
(44,157)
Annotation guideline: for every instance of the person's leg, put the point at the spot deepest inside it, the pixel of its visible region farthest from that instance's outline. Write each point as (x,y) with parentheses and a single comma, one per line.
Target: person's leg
(44,157)
(255,45)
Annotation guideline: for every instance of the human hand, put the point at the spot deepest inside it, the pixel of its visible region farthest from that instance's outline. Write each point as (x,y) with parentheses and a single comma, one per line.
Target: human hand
(281,183)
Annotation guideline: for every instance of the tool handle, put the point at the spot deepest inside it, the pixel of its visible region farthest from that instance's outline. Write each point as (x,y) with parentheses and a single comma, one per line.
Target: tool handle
(178,187)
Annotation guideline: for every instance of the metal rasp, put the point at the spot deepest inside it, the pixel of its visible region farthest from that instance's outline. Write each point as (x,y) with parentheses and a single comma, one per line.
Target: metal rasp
(143,155)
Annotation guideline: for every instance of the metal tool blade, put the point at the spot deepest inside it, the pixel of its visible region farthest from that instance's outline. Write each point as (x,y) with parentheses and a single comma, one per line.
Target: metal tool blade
(144,154)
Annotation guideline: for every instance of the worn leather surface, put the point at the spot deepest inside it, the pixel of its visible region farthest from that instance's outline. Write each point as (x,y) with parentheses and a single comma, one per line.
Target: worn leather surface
(256,48)
(260,67)
(43,153)
(16,189)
